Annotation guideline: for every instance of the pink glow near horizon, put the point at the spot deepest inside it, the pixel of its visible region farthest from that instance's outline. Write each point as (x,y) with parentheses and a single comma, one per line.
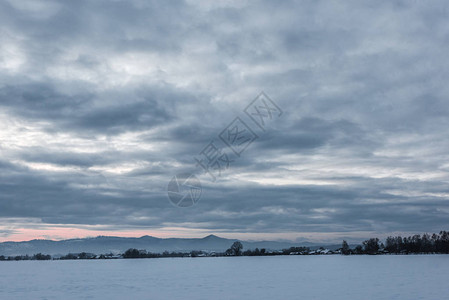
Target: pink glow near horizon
(69,233)
(61,233)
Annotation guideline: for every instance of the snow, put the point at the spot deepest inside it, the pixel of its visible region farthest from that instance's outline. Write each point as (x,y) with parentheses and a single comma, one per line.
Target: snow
(293,277)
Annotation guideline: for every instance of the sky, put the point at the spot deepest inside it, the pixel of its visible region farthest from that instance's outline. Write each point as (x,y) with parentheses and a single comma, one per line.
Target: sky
(103,102)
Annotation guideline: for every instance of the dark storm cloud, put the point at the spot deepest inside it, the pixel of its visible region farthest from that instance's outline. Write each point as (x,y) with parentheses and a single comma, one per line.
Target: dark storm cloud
(102,102)
(133,110)
(42,155)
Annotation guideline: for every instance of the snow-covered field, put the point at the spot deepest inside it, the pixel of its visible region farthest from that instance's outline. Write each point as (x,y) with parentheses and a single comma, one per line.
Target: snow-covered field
(281,277)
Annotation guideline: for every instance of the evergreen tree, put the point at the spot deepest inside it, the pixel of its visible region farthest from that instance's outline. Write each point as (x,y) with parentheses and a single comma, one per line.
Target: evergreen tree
(345,248)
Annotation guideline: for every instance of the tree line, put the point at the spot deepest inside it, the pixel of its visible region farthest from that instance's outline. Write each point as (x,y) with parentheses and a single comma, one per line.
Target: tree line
(416,244)
(38,256)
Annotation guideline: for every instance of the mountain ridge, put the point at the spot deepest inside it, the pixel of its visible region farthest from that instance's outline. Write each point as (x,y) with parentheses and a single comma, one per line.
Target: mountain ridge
(116,244)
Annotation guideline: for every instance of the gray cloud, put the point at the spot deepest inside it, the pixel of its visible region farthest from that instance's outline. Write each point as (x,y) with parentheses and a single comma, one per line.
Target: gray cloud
(102,103)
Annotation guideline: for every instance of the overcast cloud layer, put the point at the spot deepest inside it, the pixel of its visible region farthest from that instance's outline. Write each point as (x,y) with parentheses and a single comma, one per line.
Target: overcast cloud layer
(102,102)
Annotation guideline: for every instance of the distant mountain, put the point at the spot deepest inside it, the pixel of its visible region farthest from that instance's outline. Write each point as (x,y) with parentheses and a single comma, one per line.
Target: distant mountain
(111,244)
